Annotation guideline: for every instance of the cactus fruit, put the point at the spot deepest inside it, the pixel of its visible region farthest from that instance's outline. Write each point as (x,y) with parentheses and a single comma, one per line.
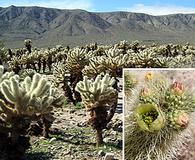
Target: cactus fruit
(157,122)
(178,119)
(99,97)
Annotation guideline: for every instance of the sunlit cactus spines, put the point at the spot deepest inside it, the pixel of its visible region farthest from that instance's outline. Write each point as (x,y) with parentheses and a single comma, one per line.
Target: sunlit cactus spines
(26,73)
(130,81)
(30,97)
(115,60)
(21,102)
(99,98)
(129,55)
(158,119)
(98,92)
(95,67)
(77,59)
(171,103)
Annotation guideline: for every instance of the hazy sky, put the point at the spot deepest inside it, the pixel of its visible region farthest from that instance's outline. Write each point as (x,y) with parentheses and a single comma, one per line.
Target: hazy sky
(154,7)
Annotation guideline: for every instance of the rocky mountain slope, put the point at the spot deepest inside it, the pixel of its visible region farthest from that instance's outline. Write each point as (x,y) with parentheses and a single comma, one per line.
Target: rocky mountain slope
(47,26)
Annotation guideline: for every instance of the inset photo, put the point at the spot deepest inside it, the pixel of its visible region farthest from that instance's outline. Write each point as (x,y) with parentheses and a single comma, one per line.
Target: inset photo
(159,107)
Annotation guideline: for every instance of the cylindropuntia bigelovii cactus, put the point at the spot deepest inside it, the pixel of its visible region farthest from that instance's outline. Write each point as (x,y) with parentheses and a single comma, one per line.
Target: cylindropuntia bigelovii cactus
(157,123)
(31,97)
(98,96)
(28,44)
(20,103)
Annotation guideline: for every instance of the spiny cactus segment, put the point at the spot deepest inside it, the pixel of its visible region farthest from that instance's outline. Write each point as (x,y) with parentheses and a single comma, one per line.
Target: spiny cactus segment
(21,102)
(158,119)
(98,96)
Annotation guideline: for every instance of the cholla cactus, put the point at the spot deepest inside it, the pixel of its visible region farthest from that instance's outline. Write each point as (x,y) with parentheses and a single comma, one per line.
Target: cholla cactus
(30,97)
(97,97)
(20,103)
(134,45)
(59,73)
(6,75)
(157,122)
(114,60)
(95,67)
(28,44)
(40,60)
(26,73)
(76,60)
(62,78)
(121,55)
(14,64)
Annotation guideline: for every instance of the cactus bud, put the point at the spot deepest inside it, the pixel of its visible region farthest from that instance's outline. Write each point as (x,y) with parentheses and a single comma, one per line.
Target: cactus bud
(145,92)
(177,87)
(179,120)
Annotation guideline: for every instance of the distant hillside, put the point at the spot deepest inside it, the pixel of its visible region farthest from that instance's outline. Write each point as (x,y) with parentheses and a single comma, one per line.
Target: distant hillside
(47,27)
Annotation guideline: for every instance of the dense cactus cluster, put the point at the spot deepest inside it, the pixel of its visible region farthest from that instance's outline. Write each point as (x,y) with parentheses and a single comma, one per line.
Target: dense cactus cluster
(31,88)
(157,119)
(102,57)
(40,60)
(32,85)
(21,102)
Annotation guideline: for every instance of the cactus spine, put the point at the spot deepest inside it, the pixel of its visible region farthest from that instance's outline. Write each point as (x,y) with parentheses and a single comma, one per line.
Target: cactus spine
(158,119)
(20,103)
(97,96)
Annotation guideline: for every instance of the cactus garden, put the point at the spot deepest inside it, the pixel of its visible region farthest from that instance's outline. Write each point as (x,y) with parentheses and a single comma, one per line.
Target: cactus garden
(61,103)
(159,110)
(65,103)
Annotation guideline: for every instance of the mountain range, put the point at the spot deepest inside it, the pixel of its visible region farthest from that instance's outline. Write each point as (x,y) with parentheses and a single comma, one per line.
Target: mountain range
(49,27)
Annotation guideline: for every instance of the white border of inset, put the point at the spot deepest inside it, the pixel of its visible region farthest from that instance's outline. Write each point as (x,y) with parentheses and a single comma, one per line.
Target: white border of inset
(123,138)
(142,69)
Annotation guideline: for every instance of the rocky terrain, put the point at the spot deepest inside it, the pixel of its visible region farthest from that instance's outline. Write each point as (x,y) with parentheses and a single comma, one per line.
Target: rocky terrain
(71,139)
(49,27)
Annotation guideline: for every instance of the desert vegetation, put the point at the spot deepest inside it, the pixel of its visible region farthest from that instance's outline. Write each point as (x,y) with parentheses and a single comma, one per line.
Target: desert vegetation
(64,102)
(159,115)
(51,98)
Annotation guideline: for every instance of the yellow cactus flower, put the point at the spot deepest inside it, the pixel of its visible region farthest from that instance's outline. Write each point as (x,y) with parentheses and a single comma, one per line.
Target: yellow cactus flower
(149,117)
(149,76)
